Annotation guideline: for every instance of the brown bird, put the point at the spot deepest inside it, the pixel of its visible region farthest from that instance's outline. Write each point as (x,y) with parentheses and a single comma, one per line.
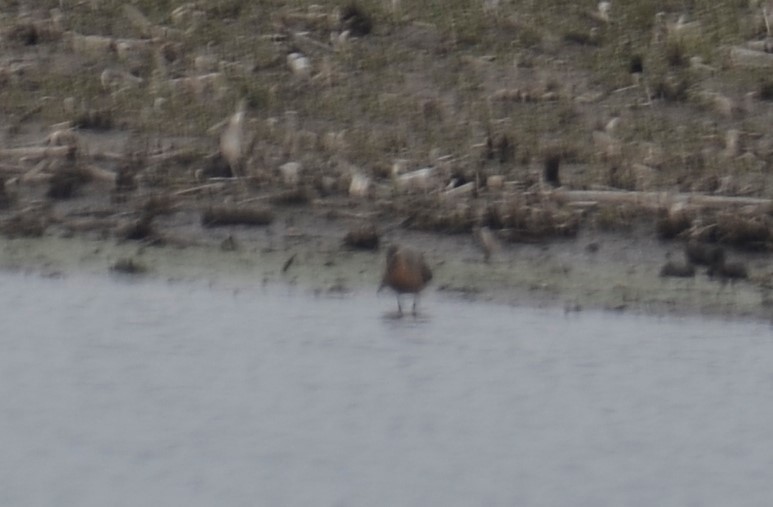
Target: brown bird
(406,272)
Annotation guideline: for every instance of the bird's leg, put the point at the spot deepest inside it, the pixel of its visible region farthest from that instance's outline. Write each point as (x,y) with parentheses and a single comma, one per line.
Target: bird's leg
(415,303)
(399,307)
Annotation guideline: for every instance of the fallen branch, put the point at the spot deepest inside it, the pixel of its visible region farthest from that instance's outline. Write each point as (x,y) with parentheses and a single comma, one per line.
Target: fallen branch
(99,174)
(193,190)
(656,200)
(145,26)
(301,39)
(15,169)
(37,152)
(750,58)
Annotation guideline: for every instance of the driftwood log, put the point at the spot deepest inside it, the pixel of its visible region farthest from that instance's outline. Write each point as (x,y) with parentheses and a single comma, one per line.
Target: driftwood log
(37,152)
(656,200)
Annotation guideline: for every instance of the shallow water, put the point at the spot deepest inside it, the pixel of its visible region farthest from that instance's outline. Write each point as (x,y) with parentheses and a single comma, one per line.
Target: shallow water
(154,393)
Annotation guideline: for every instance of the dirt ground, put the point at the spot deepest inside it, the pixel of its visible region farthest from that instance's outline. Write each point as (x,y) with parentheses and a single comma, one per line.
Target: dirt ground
(244,142)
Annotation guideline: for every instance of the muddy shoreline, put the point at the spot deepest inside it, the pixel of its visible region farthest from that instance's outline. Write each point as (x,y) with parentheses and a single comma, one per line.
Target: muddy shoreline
(303,247)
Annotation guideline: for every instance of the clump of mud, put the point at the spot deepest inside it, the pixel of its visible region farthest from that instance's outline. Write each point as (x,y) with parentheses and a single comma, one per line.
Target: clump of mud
(356,20)
(5,198)
(728,271)
(128,267)
(673,222)
(677,270)
(292,197)
(141,229)
(94,119)
(219,216)
(365,237)
(704,254)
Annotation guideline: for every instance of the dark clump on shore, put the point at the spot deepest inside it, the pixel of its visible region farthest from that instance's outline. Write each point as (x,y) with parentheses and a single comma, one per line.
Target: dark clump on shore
(65,183)
(128,267)
(215,166)
(728,271)
(23,33)
(704,254)
(499,148)
(715,258)
(292,197)
(25,224)
(552,164)
(677,270)
(141,229)
(125,179)
(5,199)
(218,216)
(94,119)
(363,238)
(671,224)
(356,20)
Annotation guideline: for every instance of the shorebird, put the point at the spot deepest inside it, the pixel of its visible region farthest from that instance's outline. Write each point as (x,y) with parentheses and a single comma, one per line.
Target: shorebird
(406,272)
(487,241)
(233,141)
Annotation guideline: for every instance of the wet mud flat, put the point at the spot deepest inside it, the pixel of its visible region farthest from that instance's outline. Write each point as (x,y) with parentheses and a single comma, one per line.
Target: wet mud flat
(307,248)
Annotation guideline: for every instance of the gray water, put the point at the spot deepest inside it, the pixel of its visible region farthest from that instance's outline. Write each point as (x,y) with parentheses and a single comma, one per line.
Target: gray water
(154,393)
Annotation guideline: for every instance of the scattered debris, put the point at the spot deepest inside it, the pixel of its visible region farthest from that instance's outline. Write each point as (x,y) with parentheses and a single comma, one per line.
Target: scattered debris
(523,221)
(751,233)
(288,263)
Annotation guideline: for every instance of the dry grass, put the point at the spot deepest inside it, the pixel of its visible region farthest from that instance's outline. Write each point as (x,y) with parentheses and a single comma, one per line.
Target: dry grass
(423,82)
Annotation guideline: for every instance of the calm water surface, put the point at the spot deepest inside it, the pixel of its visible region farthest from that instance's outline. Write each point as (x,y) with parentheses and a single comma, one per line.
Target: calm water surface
(153,393)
